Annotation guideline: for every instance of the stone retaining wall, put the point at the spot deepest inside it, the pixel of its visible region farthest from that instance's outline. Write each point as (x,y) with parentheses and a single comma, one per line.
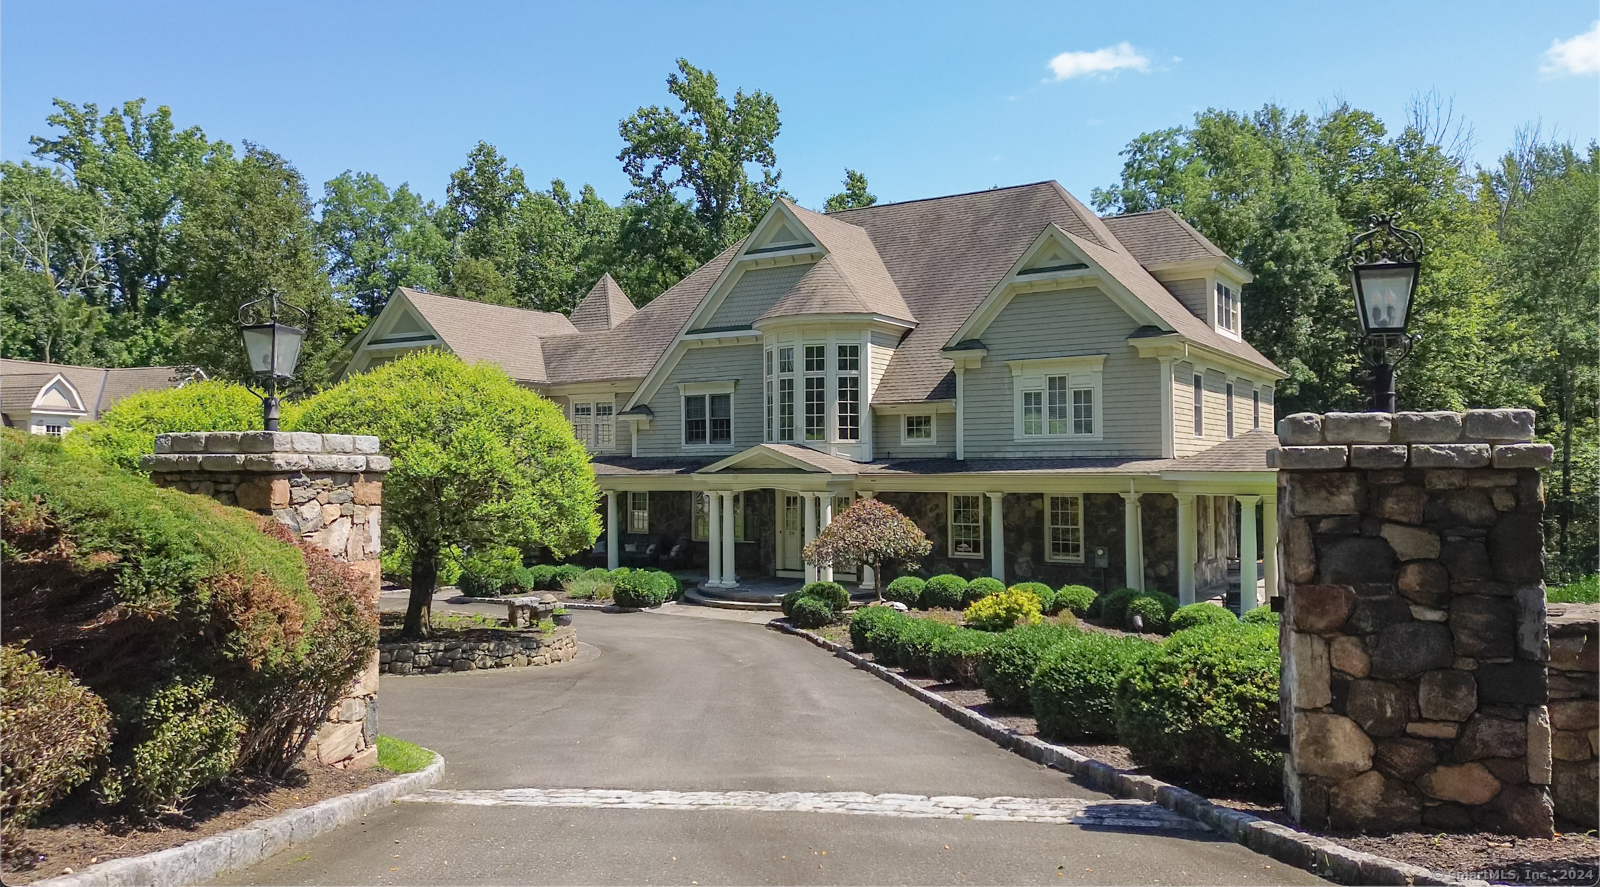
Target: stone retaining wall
(1414,642)
(1574,712)
(516,651)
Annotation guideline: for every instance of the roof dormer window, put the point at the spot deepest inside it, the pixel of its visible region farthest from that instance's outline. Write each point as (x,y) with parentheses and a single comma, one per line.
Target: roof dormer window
(1227,308)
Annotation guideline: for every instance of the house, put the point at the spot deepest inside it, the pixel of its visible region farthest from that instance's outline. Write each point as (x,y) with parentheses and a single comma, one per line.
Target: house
(1051,395)
(49,398)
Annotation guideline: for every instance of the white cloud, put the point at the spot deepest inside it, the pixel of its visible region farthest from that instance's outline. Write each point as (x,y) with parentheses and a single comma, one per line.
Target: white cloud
(1580,55)
(1100,61)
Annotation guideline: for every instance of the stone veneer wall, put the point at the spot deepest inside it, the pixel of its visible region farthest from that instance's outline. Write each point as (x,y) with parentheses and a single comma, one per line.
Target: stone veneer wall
(328,490)
(1414,642)
(1574,712)
(520,651)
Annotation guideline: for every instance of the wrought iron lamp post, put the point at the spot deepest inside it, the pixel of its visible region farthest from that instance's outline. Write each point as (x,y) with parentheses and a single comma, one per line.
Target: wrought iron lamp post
(273,349)
(1384,263)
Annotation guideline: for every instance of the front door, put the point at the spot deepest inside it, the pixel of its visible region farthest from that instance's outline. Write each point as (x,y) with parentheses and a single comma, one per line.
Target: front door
(791,535)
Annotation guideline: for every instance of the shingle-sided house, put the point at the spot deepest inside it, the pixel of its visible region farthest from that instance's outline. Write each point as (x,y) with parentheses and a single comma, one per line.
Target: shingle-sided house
(1051,395)
(49,398)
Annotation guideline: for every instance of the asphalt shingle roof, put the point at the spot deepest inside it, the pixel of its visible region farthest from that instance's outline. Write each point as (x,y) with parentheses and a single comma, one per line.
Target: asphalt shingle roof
(99,387)
(1161,236)
(604,307)
(480,332)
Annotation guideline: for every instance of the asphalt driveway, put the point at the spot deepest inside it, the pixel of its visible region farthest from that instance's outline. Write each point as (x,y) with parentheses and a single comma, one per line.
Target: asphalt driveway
(664,704)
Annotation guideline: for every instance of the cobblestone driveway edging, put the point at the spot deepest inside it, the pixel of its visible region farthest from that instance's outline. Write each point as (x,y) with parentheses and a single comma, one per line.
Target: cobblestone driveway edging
(1319,856)
(199,861)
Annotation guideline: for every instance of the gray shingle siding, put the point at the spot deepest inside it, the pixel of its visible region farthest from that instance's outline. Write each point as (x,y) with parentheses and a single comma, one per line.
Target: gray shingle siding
(753,293)
(731,363)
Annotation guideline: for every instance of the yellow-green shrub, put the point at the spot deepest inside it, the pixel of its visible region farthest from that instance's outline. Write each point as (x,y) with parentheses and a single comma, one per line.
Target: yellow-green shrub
(1004,609)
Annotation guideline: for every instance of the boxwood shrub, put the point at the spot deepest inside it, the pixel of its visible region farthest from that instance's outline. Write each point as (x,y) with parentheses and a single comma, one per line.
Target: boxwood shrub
(786,603)
(944,591)
(1207,702)
(543,577)
(1041,591)
(1153,612)
(980,588)
(838,599)
(866,621)
(638,590)
(956,655)
(914,641)
(1261,615)
(564,574)
(1114,606)
(906,590)
(1007,668)
(1202,613)
(810,612)
(1079,599)
(1075,687)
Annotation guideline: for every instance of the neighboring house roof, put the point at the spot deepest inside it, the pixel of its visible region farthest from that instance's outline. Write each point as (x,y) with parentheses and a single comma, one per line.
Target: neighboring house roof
(21,381)
(1162,236)
(477,331)
(603,308)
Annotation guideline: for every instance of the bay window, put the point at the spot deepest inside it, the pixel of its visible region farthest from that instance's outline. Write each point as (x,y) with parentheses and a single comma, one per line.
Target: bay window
(816,370)
(848,380)
(786,394)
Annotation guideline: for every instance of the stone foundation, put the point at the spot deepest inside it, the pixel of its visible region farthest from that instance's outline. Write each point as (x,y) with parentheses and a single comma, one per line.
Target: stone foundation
(1574,716)
(328,490)
(1414,646)
(437,656)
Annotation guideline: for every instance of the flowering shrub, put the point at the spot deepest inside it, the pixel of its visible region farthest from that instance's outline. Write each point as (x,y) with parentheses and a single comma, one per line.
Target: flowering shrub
(1004,609)
(868,533)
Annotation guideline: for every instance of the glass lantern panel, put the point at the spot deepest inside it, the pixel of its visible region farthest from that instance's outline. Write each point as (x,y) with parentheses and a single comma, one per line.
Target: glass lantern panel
(258,345)
(1385,292)
(289,339)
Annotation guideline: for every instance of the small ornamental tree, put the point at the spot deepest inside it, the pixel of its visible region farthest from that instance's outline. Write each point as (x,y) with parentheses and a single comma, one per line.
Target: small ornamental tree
(869,533)
(478,460)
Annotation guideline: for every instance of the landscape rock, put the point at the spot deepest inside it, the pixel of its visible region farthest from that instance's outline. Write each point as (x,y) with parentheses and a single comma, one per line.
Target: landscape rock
(1470,783)
(1330,745)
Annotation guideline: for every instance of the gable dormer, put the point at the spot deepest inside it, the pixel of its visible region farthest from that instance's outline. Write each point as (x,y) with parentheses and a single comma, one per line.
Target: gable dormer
(59,397)
(604,307)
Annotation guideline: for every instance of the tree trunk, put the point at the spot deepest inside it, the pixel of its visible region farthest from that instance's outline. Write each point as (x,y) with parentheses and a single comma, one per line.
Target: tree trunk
(877,580)
(424,573)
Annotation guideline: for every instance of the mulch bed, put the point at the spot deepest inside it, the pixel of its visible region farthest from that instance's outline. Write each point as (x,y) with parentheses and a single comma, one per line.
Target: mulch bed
(71,839)
(1567,858)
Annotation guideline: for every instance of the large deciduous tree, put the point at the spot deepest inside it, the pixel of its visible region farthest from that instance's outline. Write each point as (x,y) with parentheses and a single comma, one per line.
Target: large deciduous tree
(869,533)
(478,460)
(376,239)
(854,196)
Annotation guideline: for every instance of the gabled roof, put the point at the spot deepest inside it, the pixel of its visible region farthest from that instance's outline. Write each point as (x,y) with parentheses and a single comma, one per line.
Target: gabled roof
(603,308)
(477,331)
(790,456)
(1161,236)
(850,279)
(98,388)
(1247,452)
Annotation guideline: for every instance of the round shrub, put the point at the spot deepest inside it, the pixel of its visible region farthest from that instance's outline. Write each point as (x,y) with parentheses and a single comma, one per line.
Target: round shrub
(598,574)
(786,603)
(810,612)
(1007,669)
(543,576)
(54,729)
(1074,690)
(867,620)
(128,430)
(192,741)
(980,588)
(944,591)
(1146,613)
(565,573)
(1003,610)
(1261,615)
(1206,701)
(1114,606)
(638,590)
(668,582)
(1202,613)
(1079,599)
(1047,598)
(837,598)
(905,590)
(956,655)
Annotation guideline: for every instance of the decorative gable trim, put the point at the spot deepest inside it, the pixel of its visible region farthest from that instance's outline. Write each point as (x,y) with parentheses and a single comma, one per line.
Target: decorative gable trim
(400,326)
(66,400)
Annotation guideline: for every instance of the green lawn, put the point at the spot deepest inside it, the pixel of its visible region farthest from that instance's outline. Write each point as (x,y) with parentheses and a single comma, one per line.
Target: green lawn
(1584,591)
(400,756)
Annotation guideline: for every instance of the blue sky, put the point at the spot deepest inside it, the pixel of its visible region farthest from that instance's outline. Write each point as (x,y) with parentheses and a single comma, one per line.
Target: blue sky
(925,98)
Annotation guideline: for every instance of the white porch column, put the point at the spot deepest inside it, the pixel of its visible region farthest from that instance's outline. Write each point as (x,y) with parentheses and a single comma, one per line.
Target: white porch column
(730,576)
(1186,548)
(865,572)
(1249,598)
(997,536)
(1269,542)
(824,517)
(1132,541)
(811,532)
(713,539)
(613,535)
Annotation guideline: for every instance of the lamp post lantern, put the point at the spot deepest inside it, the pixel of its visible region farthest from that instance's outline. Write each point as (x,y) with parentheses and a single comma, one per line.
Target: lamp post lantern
(273,349)
(1384,264)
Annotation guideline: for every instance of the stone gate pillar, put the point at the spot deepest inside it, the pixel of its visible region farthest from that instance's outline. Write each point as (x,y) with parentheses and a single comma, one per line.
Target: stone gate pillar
(1414,643)
(328,490)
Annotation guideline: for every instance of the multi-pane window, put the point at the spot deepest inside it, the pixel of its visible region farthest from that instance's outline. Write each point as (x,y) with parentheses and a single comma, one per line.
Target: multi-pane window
(1255,408)
(702,517)
(848,380)
(966,525)
(583,422)
(767,386)
(1227,308)
(1059,405)
(919,429)
(707,419)
(786,394)
(1064,528)
(1199,406)
(1083,411)
(1033,412)
(55,430)
(1230,410)
(638,512)
(594,424)
(816,368)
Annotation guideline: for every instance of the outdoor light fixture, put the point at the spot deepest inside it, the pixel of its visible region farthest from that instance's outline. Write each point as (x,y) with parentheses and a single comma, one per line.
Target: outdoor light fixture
(1384,263)
(273,349)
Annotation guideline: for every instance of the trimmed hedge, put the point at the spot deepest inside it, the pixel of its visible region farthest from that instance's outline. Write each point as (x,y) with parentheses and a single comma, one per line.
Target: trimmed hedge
(868,620)
(837,598)
(1007,670)
(1003,610)
(786,603)
(944,591)
(955,656)
(543,577)
(1206,701)
(639,590)
(905,590)
(980,588)
(564,574)
(55,729)
(1203,613)
(1261,615)
(914,640)
(810,612)
(1074,689)
(1080,599)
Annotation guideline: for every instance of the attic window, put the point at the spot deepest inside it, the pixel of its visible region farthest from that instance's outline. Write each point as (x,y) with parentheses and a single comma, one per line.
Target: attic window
(1071,266)
(779,248)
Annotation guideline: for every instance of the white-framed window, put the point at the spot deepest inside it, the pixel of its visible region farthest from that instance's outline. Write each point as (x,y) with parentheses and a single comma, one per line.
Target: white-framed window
(847,381)
(768,394)
(966,525)
(707,418)
(702,517)
(594,424)
(55,431)
(1227,308)
(583,422)
(1255,408)
(816,382)
(1058,397)
(1063,529)
(786,393)
(917,430)
(1199,405)
(638,512)
(1230,410)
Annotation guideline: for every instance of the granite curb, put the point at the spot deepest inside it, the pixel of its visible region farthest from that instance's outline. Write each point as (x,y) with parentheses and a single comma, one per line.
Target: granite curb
(202,860)
(1319,856)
